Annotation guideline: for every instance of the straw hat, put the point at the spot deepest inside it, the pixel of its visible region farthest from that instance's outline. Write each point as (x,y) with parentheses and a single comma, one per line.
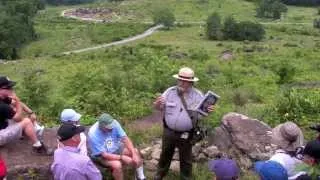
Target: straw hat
(186,74)
(287,136)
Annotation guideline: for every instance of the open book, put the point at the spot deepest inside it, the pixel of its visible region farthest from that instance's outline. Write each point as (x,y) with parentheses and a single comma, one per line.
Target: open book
(210,98)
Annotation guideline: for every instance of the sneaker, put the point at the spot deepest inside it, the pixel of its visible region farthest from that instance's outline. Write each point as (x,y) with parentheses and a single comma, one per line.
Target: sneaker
(39,131)
(137,178)
(42,150)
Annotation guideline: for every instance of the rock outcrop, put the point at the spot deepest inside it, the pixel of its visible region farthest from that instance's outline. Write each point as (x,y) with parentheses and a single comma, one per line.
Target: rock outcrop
(24,164)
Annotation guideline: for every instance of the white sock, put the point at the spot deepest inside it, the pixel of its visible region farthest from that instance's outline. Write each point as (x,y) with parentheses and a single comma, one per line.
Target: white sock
(37,144)
(140,173)
(37,126)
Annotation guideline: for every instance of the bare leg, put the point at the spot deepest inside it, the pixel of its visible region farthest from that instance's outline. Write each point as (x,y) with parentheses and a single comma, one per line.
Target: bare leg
(28,129)
(116,167)
(126,152)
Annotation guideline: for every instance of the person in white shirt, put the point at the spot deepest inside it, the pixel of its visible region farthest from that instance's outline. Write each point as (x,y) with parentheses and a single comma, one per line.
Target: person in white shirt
(288,138)
(70,116)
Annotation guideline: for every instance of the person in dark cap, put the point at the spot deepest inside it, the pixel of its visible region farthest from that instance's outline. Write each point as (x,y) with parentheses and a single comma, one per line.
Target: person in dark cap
(311,156)
(6,95)
(224,169)
(68,162)
(111,147)
(11,130)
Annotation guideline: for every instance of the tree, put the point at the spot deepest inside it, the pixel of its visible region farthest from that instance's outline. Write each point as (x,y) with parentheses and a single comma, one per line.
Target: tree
(230,28)
(271,9)
(16,25)
(250,31)
(164,16)
(214,27)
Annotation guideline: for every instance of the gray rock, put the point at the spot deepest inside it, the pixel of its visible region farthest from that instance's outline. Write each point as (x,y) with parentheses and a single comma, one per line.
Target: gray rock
(175,166)
(24,164)
(212,151)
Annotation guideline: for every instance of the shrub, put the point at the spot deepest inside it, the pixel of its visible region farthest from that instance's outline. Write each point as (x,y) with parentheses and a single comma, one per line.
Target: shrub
(250,31)
(230,28)
(164,16)
(286,73)
(316,23)
(214,27)
(271,9)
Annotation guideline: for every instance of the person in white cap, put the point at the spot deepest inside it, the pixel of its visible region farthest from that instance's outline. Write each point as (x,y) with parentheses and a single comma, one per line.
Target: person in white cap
(177,122)
(70,116)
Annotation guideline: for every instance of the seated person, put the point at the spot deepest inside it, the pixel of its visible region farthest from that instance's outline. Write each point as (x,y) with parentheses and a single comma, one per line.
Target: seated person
(6,90)
(12,130)
(111,147)
(289,138)
(68,163)
(70,116)
(224,169)
(270,170)
(311,155)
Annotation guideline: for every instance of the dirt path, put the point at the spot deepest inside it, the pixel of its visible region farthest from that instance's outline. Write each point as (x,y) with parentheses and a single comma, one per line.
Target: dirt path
(124,41)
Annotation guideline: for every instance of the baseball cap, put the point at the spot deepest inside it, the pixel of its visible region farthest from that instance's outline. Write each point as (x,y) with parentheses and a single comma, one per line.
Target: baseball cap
(106,121)
(313,149)
(271,170)
(224,169)
(69,115)
(6,82)
(67,131)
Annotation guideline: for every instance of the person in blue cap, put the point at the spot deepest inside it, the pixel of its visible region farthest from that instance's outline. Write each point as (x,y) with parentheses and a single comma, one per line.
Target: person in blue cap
(270,170)
(224,169)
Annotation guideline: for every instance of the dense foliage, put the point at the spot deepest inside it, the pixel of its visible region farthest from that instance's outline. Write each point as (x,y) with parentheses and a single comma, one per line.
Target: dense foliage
(163,16)
(302,2)
(271,9)
(68,2)
(231,29)
(16,25)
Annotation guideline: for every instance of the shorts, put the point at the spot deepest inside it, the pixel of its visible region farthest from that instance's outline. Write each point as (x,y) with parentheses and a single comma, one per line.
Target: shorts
(10,133)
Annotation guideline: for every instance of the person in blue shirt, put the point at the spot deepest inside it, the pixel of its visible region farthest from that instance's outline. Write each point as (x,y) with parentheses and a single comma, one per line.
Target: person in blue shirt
(111,147)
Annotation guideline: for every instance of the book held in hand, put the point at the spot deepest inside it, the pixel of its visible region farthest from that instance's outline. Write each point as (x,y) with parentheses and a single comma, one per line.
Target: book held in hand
(209,99)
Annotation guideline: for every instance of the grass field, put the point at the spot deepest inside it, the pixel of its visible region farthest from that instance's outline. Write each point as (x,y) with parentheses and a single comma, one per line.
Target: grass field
(125,80)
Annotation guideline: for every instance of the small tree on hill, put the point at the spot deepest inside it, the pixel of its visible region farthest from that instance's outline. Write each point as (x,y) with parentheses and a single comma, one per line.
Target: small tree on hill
(250,31)
(164,16)
(230,28)
(214,27)
(271,9)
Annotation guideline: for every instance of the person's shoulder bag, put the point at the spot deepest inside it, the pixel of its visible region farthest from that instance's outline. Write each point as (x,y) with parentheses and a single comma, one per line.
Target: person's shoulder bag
(197,133)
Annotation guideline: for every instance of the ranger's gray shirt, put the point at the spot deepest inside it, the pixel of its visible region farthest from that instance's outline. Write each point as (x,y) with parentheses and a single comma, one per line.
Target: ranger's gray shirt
(176,116)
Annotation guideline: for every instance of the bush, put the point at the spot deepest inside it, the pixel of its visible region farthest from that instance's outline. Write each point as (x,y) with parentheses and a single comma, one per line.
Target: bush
(286,73)
(164,16)
(233,30)
(316,23)
(271,9)
(250,31)
(230,28)
(214,27)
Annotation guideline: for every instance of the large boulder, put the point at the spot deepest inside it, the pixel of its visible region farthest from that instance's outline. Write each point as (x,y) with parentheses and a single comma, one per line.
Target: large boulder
(23,164)
(243,138)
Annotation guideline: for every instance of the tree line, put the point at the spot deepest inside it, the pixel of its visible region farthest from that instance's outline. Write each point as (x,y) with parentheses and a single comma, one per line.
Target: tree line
(16,25)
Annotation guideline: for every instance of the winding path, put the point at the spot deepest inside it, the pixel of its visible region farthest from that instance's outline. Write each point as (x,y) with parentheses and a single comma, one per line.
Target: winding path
(146,33)
(124,41)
